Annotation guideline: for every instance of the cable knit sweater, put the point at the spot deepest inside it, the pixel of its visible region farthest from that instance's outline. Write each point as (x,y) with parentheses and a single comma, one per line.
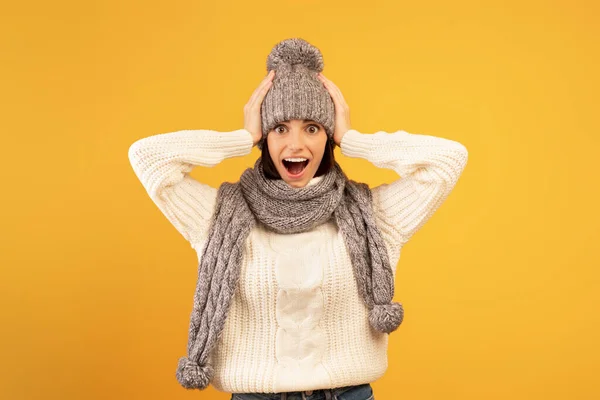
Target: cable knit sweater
(297,321)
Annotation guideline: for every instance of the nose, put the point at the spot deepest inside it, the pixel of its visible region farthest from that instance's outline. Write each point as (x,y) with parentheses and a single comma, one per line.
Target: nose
(296,140)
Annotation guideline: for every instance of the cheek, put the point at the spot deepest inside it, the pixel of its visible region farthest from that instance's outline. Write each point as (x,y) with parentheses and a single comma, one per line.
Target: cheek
(274,153)
(319,150)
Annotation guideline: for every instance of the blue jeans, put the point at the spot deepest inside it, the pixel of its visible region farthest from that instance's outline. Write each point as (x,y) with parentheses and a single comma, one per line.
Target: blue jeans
(356,392)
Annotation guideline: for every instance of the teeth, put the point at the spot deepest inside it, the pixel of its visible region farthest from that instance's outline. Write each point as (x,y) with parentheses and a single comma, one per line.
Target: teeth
(295,159)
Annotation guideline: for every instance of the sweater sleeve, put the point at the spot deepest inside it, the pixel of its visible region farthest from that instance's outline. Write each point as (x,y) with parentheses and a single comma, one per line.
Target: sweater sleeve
(163,162)
(429,168)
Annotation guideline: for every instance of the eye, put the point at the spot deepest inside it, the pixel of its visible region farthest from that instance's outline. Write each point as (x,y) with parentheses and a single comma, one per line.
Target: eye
(316,128)
(276,129)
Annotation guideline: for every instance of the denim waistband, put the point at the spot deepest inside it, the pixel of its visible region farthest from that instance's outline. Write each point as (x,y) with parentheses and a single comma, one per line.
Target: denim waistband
(320,394)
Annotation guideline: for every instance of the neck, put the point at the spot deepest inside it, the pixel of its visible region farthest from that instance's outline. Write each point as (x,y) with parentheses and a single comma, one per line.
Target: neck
(314,180)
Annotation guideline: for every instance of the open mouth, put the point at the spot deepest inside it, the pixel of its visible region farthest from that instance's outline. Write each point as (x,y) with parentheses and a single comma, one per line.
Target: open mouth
(295,168)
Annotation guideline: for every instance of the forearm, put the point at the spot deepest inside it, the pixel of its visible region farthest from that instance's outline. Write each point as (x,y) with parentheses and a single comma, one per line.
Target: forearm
(435,158)
(429,168)
(162,160)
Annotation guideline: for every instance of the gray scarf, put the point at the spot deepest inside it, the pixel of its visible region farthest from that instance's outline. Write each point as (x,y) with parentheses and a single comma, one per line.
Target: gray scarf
(283,209)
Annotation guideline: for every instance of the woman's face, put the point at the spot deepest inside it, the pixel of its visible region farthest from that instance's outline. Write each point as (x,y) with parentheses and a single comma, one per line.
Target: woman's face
(297,139)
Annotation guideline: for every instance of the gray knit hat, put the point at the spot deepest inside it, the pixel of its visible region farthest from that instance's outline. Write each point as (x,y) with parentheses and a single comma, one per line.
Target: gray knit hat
(296,92)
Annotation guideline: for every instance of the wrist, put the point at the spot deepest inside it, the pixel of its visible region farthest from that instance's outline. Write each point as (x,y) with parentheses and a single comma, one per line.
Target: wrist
(255,138)
(338,138)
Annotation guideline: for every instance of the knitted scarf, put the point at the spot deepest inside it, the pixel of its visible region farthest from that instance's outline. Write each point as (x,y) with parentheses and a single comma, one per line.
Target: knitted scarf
(283,209)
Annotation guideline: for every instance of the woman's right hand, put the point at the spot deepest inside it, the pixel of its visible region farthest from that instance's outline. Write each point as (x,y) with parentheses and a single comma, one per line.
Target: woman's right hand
(252,120)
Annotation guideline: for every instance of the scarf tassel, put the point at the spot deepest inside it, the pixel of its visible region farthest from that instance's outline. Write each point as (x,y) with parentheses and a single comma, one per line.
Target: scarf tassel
(192,375)
(386,317)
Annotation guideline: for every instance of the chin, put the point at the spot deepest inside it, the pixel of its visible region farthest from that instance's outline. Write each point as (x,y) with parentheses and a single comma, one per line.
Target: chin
(297,184)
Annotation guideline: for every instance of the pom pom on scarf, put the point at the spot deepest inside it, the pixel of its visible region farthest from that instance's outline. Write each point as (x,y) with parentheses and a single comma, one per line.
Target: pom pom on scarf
(386,317)
(191,375)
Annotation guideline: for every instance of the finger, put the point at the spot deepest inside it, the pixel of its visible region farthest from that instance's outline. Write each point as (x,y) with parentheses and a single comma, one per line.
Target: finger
(268,79)
(338,100)
(265,82)
(336,90)
(269,76)
(327,83)
(264,92)
(262,89)
(337,95)
(331,85)
(256,101)
(326,80)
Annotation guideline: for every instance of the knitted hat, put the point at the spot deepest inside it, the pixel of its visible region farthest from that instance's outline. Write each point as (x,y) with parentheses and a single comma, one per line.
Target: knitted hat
(296,92)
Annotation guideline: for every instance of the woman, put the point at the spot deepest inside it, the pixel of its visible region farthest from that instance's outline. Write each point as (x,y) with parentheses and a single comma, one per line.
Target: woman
(296,262)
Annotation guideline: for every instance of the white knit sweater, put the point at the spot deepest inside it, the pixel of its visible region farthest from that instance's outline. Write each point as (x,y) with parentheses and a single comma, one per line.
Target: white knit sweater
(297,321)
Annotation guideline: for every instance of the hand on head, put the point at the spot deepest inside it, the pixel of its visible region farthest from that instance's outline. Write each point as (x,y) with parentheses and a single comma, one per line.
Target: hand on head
(252,116)
(252,119)
(342,111)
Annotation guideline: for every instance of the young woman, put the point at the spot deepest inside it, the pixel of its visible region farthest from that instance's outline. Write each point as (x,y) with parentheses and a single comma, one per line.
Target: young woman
(296,262)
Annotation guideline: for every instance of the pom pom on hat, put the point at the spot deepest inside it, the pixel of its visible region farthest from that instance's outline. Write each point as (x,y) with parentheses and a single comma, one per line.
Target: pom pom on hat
(295,51)
(386,317)
(191,375)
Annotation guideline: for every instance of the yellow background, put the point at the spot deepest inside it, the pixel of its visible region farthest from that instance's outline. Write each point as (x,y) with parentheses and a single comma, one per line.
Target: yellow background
(501,286)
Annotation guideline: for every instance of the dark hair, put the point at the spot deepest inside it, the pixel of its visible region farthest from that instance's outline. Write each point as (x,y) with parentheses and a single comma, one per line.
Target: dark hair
(271,172)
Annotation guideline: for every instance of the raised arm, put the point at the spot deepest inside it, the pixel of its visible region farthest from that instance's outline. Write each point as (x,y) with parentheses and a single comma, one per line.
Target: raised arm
(429,168)
(163,162)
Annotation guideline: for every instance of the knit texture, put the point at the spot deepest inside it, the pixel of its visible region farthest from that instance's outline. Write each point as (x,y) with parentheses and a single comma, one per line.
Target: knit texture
(283,209)
(296,92)
(297,321)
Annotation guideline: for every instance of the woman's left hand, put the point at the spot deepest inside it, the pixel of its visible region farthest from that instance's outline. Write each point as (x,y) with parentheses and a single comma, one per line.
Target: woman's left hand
(342,111)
